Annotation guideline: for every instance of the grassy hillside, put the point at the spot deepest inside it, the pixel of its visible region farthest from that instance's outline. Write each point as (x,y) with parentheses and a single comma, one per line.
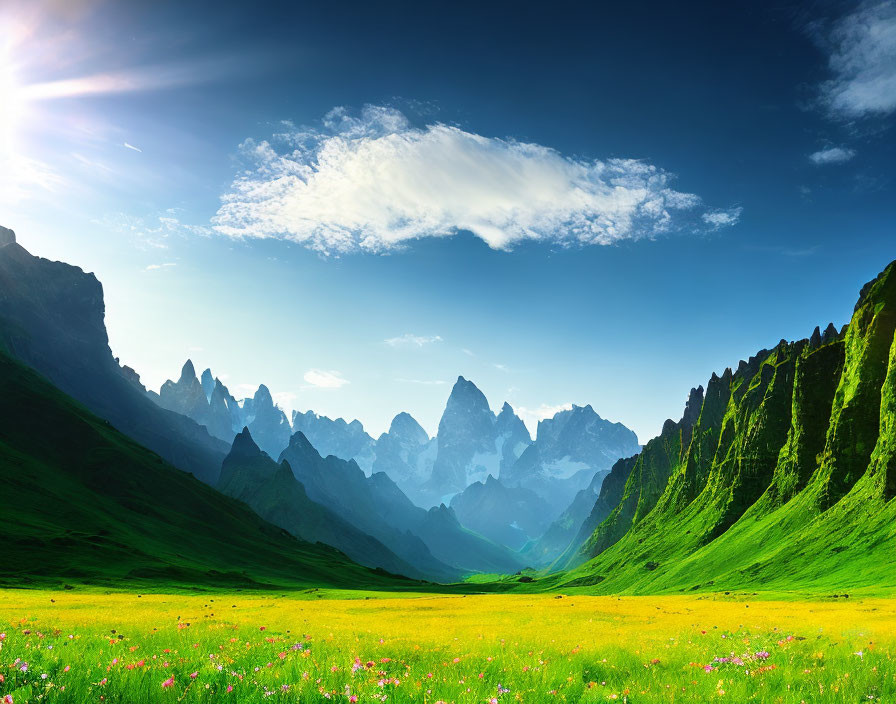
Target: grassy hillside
(83,503)
(785,480)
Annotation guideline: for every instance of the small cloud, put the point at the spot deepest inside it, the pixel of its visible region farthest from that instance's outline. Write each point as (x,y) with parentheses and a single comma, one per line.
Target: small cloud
(862,48)
(501,367)
(408,340)
(467,352)
(132,147)
(831,155)
(717,219)
(425,382)
(156,267)
(325,379)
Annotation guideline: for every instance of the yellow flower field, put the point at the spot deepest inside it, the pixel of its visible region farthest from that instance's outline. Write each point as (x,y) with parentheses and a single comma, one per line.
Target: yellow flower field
(73,646)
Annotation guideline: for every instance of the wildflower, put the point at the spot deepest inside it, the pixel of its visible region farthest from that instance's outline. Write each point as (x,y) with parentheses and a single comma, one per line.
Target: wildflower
(762,655)
(230,688)
(7,699)
(66,668)
(168,683)
(353,698)
(194,675)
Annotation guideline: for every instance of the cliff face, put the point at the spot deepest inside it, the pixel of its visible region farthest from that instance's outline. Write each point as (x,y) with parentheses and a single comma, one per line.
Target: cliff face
(783,472)
(52,319)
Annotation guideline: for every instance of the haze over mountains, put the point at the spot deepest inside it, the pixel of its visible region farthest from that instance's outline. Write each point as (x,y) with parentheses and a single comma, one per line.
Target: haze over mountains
(781,472)
(475,454)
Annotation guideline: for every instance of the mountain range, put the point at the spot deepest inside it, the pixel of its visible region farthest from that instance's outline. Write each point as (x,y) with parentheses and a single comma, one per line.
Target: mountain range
(478,459)
(780,473)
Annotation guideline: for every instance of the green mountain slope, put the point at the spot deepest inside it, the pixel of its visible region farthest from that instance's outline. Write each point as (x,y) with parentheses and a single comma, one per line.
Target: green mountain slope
(784,478)
(82,502)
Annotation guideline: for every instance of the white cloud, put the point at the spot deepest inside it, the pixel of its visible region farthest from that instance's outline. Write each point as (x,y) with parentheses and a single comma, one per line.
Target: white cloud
(132,147)
(863,61)
(374,182)
(531,416)
(717,219)
(156,267)
(409,340)
(831,155)
(325,379)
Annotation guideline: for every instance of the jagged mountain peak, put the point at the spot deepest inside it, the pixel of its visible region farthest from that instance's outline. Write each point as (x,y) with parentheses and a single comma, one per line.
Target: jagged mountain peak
(298,441)
(208,382)
(263,396)
(244,446)
(406,426)
(692,407)
(187,373)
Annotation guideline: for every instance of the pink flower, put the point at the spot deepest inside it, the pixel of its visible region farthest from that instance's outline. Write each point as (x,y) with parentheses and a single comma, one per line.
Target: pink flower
(7,699)
(230,688)
(66,668)
(353,698)
(194,675)
(168,683)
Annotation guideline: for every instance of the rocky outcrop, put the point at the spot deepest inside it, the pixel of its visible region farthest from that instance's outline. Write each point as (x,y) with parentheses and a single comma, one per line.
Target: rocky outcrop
(52,319)
(267,423)
(348,441)
(406,453)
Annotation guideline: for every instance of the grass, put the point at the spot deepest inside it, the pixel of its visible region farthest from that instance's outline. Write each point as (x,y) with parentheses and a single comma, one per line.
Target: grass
(313,645)
(82,503)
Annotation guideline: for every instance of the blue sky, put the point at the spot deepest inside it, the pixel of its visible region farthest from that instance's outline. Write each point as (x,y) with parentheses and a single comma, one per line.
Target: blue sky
(356,204)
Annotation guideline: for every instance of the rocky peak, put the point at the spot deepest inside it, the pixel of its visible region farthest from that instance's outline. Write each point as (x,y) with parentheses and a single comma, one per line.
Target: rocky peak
(244,446)
(815,339)
(692,407)
(7,236)
(405,426)
(466,393)
(187,373)
(263,397)
(298,442)
(208,383)
(830,334)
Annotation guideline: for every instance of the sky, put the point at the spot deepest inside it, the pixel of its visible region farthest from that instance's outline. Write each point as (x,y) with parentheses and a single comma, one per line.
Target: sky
(356,203)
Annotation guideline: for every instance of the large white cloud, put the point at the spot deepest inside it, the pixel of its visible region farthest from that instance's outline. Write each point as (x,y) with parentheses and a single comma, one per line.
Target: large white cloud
(863,60)
(374,182)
